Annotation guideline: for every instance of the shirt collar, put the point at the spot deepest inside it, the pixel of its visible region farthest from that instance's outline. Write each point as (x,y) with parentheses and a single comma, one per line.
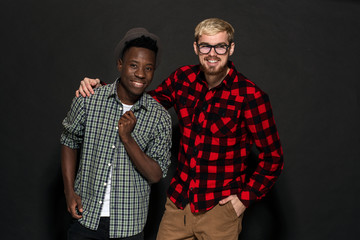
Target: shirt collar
(141,103)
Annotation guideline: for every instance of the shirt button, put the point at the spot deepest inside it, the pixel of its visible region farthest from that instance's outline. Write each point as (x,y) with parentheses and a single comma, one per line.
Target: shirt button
(121,108)
(109,164)
(105,184)
(100,202)
(117,128)
(113,146)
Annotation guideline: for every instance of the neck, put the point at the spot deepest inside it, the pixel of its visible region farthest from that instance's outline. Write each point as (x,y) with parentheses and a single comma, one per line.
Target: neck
(126,98)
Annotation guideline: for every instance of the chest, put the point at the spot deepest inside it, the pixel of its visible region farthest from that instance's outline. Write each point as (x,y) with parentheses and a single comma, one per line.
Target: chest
(216,111)
(105,117)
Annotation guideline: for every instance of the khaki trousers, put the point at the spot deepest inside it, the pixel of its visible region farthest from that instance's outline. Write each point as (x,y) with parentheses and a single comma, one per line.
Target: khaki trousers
(221,222)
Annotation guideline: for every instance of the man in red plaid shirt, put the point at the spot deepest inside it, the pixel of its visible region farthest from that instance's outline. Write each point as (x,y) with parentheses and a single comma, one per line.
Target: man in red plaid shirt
(221,115)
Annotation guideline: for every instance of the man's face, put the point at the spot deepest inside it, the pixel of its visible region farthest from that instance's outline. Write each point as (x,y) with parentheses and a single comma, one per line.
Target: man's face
(213,63)
(137,70)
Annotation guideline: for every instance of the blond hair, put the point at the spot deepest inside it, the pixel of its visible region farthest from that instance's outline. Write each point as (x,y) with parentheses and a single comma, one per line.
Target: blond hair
(212,26)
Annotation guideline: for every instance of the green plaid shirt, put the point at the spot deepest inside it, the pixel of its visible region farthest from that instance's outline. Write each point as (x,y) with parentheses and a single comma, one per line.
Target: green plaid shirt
(91,125)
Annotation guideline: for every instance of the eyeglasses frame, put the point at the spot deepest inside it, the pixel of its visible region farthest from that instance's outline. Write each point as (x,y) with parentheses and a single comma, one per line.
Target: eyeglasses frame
(214,46)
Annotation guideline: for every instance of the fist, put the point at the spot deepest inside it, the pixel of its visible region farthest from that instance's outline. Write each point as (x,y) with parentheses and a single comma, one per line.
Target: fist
(126,125)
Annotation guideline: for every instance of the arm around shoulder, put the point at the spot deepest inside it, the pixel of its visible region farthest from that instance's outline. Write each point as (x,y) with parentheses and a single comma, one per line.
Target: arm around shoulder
(87,85)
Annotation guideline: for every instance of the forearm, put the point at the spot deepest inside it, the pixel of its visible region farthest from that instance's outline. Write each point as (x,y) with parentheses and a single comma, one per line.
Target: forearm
(147,166)
(68,167)
(262,179)
(262,129)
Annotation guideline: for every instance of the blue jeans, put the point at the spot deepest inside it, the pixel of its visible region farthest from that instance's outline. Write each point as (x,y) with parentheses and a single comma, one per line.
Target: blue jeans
(79,232)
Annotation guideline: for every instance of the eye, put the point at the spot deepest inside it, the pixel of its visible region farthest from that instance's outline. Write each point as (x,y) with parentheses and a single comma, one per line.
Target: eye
(149,69)
(133,65)
(221,46)
(204,46)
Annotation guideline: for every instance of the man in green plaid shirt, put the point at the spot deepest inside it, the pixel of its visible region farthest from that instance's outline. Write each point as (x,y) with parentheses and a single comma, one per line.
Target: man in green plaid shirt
(125,138)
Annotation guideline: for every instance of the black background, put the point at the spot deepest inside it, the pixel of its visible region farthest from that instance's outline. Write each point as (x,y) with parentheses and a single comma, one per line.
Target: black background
(304,54)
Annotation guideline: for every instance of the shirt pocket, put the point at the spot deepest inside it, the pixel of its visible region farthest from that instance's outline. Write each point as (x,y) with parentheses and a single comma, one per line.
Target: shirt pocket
(224,120)
(224,123)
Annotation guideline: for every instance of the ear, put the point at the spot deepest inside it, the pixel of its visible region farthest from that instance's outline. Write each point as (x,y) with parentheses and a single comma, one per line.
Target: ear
(196,49)
(232,49)
(119,65)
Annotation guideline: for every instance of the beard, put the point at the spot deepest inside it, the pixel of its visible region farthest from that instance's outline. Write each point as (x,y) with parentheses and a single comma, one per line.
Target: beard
(210,70)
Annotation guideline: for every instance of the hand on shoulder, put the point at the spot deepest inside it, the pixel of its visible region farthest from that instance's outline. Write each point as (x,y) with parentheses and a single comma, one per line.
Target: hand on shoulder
(87,85)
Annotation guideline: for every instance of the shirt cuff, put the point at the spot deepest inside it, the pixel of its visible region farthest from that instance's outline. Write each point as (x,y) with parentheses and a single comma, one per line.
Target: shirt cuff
(247,197)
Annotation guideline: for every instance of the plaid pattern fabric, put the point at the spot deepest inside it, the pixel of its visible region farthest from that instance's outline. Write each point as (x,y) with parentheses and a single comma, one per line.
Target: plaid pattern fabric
(91,125)
(218,128)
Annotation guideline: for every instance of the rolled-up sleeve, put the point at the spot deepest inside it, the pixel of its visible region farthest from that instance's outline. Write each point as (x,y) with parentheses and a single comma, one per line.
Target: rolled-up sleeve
(74,125)
(159,148)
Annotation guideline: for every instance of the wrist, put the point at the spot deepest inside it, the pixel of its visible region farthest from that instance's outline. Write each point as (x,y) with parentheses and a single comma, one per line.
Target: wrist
(69,191)
(126,139)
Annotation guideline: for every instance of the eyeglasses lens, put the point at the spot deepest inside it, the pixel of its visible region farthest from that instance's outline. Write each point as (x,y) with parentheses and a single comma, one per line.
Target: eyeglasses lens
(205,49)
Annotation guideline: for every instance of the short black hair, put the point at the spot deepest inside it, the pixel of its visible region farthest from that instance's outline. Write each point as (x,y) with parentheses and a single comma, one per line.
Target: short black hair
(143,42)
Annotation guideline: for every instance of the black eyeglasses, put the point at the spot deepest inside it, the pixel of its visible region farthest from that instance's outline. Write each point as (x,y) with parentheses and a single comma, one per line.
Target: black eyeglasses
(220,49)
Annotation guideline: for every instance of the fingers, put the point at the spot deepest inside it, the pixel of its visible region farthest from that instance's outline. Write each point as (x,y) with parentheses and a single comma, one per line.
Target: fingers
(89,84)
(131,115)
(75,212)
(97,82)
(84,90)
(86,87)
(225,200)
(128,117)
(75,207)
(238,206)
(79,205)
(126,125)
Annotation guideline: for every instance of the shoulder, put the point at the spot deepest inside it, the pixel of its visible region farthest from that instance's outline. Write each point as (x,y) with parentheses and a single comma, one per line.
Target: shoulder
(186,71)
(100,94)
(155,108)
(246,87)
(78,102)
(104,90)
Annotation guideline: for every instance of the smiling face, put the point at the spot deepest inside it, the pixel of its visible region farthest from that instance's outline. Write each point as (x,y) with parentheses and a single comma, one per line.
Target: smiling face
(213,63)
(137,70)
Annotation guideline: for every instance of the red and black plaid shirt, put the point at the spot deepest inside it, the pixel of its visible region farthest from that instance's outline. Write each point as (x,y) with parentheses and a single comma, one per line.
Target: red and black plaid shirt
(218,128)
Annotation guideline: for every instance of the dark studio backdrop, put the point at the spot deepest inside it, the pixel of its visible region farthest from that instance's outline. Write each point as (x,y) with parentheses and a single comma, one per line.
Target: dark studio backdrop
(304,54)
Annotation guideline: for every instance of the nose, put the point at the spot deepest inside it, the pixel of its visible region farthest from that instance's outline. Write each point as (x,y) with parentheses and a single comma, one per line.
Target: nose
(212,51)
(140,73)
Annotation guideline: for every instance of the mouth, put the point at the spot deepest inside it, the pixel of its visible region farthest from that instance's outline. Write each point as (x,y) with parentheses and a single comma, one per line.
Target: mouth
(137,84)
(212,61)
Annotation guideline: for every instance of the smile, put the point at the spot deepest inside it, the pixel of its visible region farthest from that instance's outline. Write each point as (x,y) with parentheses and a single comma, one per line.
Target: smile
(212,59)
(138,84)
(212,62)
